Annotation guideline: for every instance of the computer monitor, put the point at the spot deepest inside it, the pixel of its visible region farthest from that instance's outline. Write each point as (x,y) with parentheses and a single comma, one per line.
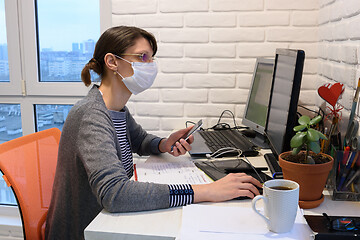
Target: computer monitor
(285,90)
(258,99)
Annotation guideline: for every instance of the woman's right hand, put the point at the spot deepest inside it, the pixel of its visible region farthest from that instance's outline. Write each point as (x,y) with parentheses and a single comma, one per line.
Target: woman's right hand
(231,186)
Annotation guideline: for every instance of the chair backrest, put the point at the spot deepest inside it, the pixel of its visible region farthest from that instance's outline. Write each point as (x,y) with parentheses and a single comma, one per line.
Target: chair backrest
(28,164)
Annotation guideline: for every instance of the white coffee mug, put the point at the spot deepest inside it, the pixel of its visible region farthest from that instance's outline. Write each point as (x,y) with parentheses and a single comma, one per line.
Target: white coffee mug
(281,198)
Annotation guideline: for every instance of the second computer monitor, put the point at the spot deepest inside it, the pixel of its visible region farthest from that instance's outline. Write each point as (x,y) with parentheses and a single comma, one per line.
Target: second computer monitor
(282,111)
(258,99)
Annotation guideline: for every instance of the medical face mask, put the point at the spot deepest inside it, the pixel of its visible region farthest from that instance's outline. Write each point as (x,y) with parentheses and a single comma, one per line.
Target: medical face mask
(143,77)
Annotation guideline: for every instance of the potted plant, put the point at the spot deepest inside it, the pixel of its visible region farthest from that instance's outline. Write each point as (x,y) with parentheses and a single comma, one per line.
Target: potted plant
(309,168)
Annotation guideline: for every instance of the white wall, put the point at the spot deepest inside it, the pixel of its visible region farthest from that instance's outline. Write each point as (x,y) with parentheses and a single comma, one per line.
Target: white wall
(207,51)
(339,48)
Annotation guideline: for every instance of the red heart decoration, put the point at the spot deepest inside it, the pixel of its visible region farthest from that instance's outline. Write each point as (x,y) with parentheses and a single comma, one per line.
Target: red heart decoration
(331,92)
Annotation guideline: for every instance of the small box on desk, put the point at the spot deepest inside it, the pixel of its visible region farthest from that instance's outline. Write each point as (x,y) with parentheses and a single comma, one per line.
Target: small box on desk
(344,179)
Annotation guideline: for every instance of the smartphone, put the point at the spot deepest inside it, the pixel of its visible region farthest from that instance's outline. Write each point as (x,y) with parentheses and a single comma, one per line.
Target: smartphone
(196,127)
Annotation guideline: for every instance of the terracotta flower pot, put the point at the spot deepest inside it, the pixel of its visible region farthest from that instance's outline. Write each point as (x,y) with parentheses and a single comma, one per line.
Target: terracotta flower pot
(311,178)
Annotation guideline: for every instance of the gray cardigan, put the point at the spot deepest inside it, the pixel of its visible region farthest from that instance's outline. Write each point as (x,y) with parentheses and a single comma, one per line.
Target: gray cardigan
(90,175)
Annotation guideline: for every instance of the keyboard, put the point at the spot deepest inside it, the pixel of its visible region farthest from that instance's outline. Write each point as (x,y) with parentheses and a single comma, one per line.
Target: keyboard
(216,140)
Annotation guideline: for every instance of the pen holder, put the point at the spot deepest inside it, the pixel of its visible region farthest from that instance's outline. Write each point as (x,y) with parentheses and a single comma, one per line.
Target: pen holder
(344,179)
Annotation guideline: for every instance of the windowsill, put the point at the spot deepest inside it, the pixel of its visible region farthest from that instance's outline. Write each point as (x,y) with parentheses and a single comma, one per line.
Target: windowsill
(10,216)
(10,223)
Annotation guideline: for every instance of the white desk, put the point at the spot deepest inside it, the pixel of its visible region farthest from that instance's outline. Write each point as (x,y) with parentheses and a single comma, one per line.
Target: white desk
(166,224)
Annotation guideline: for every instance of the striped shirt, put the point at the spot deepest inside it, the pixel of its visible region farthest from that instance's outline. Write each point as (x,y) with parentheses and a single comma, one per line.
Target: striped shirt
(180,194)
(119,120)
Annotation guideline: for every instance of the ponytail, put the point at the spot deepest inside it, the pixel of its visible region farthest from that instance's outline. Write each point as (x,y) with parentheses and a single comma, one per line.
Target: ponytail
(94,65)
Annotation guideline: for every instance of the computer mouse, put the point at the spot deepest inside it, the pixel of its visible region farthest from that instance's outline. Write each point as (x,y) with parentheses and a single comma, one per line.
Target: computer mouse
(250,133)
(243,198)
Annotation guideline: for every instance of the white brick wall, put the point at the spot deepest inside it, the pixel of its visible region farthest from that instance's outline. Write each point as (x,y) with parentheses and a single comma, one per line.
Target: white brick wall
(339,35)
(236,5)
(208,48)
(261,19)
(292,4)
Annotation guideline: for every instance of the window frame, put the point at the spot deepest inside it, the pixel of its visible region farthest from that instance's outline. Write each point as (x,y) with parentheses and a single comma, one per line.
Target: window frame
(29,49)
(13,87)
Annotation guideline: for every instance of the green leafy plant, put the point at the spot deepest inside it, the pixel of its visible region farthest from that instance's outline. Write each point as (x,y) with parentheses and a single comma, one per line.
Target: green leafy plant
(307,137)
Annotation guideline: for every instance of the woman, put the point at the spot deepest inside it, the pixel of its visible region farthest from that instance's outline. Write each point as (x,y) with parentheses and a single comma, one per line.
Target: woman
(95,153)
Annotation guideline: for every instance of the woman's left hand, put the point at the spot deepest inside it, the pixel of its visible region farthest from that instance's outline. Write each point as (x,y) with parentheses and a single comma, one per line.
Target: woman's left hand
(176,139)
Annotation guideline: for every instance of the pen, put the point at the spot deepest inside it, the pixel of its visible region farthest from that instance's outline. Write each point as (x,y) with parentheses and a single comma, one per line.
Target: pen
(342,161)
(355,100)
(350,171)
(346,155)
(352,179)
(346,169)
(353,107)
(135,173)
(356,159)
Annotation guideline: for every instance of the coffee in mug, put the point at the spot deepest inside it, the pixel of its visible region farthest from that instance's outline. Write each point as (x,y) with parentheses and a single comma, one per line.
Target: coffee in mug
(281,188)
(281,199)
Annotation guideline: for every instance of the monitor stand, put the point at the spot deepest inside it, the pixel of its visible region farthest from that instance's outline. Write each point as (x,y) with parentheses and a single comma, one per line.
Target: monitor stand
(260,140)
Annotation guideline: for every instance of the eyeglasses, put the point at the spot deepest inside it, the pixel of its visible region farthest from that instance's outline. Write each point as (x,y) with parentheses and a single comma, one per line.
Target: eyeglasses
(144,57)
(342,224)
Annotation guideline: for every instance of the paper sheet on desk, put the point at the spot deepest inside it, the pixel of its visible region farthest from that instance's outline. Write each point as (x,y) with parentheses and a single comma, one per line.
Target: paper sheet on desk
(171,173)
(233,223)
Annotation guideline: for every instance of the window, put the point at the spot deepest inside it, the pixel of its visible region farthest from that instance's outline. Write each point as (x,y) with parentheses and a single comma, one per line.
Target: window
(50,115)
(4,63)
(10,122)
(66,45)
(6,195)
(10,128)
(43,47)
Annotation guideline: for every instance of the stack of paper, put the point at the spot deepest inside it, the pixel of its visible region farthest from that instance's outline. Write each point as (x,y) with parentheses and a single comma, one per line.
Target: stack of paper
(171,173)
(234,223)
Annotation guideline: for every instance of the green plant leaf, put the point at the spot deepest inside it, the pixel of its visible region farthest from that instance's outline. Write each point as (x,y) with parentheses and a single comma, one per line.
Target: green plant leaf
(299,128)
(322,136)
(295,151)
(314,146)
(298,140)
(304,120)
(315,120)
(312,135)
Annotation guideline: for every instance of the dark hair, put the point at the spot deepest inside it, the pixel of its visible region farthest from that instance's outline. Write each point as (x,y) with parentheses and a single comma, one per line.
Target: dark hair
(114,40)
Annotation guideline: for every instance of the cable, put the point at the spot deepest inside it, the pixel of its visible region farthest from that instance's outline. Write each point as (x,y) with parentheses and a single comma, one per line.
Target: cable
(225,126)
(231,113)
(310,110)
(252,166)
(225,150)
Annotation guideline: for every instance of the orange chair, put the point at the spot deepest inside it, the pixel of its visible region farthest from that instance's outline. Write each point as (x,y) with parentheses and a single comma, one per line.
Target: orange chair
(28,164)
